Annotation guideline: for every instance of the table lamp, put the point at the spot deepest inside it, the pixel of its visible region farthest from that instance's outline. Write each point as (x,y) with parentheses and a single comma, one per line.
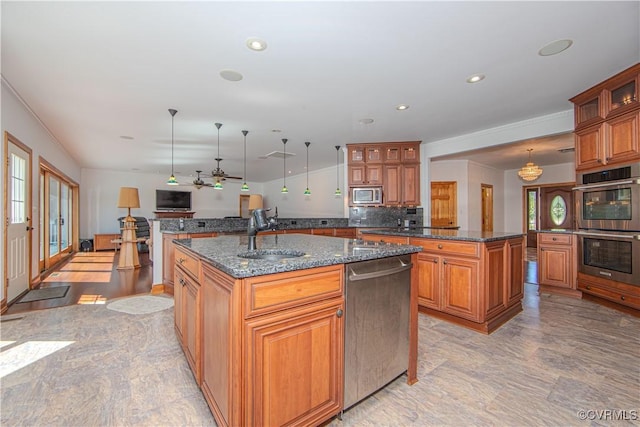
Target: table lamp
(128,199)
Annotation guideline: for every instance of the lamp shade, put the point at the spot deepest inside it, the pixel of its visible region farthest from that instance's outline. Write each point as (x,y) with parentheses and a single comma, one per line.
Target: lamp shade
(255,201)
(128,198)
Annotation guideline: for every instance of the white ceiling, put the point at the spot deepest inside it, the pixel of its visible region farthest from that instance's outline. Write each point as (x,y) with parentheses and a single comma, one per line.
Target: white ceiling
(96,71)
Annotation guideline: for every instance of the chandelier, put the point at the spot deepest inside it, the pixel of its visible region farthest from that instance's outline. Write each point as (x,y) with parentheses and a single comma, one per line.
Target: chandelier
(530,172)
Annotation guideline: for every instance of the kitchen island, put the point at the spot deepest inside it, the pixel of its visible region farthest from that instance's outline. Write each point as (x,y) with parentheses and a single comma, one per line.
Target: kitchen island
(471,278)
(265,337)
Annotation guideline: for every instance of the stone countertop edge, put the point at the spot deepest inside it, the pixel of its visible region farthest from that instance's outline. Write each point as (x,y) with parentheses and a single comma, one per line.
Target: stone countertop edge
(462,235)
(222,252)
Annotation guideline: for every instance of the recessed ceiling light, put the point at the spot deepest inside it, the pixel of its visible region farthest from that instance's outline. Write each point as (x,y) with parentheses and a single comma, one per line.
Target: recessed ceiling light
(276,130)
(402,107)
(475,78)
(555,47)
(256,44)
(365,121)
(231,75)
(126,137)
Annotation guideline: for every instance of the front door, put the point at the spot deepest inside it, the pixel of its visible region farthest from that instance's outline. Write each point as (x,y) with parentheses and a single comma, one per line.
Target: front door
(443,204)
(556,207)
(532,216)
(18,222)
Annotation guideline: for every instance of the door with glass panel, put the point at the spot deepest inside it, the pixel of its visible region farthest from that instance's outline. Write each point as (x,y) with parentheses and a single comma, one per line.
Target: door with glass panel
(556,208)
(532,216)
(56,219)
(18,226)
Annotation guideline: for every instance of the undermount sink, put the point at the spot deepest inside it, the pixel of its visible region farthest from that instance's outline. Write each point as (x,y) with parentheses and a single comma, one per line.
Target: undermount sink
(271,254)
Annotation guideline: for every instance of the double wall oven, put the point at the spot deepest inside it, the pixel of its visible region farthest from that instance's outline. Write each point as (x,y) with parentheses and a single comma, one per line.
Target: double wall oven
(608,212)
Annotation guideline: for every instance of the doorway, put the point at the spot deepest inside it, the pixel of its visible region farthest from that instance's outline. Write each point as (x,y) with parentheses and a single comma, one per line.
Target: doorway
(547,207)
(444,196)
(17,209)
(487,207)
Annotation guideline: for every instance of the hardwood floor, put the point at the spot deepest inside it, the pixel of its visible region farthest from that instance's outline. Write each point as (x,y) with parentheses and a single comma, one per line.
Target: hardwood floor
(84,364)
(93,279)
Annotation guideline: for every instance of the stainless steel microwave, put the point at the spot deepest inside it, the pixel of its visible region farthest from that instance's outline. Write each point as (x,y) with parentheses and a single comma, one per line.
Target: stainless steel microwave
(609,199)
(366,195)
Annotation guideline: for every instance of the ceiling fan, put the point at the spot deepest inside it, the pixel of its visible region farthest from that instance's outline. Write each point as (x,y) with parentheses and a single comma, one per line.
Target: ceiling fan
(220,174)
(199,183)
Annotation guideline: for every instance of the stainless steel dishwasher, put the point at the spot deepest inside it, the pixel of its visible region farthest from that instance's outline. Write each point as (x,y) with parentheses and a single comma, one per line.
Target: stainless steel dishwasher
(376,325)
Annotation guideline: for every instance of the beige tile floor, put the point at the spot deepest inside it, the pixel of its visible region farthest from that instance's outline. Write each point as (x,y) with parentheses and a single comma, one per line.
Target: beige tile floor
(558,357)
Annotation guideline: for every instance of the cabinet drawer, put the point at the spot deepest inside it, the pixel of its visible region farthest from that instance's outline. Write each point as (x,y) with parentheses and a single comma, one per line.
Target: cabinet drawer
(183,278)
(279,291)
(557,239)
(346,232)
(618,292)
(447,246)
(385,239)
(188,262)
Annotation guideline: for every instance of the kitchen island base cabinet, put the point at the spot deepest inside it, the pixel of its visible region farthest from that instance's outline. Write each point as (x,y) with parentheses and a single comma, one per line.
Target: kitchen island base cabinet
(476,285)
(278,360)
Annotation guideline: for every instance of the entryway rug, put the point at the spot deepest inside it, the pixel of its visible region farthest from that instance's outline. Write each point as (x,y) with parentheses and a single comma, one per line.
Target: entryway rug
(142,304)
(45,293)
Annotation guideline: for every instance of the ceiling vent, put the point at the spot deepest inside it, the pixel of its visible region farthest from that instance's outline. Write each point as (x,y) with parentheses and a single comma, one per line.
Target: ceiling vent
(277,155)
(567,150)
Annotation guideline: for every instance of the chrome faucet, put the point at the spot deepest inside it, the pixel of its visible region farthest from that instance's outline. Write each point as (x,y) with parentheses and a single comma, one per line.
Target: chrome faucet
(258,221)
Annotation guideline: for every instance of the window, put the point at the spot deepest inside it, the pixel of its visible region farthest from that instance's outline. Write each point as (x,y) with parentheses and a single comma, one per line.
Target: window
(18,189)
(558,210)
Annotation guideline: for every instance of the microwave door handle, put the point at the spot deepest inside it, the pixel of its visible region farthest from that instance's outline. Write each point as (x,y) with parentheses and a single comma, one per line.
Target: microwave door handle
(586,233)
(606,184)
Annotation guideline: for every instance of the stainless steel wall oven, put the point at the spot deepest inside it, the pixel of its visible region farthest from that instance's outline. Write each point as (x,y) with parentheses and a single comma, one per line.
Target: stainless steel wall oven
(614,256)
(609,199)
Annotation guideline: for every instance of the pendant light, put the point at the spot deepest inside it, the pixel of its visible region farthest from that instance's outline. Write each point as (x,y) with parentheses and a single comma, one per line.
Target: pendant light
(530,172)
(218,184)
(338,192)
(172,179)
(245,187)
(284,167)
(307,192)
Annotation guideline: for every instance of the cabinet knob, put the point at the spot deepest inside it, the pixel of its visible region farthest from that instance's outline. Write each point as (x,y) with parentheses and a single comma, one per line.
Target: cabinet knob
(588,287)
(554,239)
(599,160)
(435,261)
(444,261)
(439,246)
(339,313)
(181,260)
(182,282)
(622,297)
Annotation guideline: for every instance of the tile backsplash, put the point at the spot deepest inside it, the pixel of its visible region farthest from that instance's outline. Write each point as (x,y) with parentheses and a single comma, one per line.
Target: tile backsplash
(385,217)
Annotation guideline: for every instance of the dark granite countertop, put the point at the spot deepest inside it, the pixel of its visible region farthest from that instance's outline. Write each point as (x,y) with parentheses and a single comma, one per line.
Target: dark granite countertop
(222,252)
(239,225)
(446,234)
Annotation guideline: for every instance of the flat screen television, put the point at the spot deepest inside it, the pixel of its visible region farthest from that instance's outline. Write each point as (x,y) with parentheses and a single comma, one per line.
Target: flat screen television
(170,200)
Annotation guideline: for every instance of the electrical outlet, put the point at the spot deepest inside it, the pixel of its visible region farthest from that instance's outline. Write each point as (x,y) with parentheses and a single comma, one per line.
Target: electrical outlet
(201,224)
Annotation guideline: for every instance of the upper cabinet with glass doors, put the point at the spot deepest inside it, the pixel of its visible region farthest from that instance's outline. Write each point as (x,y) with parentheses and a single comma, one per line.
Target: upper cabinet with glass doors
(607,120)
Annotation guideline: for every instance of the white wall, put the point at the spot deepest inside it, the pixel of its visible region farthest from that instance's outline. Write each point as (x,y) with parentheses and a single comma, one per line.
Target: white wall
(99,198)
(513,206)
(481,174)
(321,203)
(18,120)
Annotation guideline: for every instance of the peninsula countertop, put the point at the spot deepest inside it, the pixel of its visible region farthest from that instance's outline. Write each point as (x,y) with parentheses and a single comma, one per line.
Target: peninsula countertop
(222,252)
(446,234)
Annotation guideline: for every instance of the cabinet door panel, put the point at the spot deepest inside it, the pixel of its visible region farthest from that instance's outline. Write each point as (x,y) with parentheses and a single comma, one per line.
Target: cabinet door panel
(374,175)
(392,190)
(555,265)
(622,138)
(494,278)
(461,288)
(411,185)
(515,276)
(356,175)
(589,147)
(429,281)
(191,301)
(295,375)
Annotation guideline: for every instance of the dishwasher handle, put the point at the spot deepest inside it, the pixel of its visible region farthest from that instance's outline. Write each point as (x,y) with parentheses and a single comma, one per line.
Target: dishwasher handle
(353,276)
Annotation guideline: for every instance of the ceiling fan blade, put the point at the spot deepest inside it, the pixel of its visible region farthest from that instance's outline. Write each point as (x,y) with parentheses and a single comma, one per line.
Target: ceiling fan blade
(233,177)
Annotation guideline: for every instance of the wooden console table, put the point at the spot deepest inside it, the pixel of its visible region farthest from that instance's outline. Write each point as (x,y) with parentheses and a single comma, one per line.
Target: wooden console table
(173,214)
(102,242)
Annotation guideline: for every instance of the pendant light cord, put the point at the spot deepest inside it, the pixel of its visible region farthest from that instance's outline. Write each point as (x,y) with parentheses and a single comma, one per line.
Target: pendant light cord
(284,163)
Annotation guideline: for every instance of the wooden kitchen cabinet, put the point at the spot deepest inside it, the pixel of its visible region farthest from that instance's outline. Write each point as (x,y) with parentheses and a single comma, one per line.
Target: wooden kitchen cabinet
(607,120)
(273,346)
(557,264)
(295,372)
(168,257)
(394,165)
(622,295)
(187,311)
